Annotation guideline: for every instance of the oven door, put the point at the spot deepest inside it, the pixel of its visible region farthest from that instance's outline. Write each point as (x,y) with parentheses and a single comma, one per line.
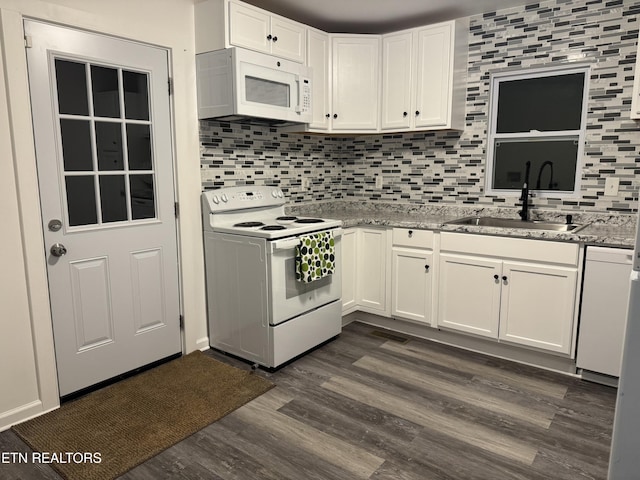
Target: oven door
(290,297)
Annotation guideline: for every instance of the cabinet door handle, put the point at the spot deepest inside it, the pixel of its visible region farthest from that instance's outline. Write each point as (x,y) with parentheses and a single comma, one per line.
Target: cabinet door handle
(417,112)
(275,39)
(426,268)
(269,37)
(328,115)
(504,278)
(496,276)
(335,115)
(404,114)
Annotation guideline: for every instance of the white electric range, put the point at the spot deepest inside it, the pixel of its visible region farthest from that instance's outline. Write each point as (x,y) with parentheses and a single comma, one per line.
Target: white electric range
(257,309)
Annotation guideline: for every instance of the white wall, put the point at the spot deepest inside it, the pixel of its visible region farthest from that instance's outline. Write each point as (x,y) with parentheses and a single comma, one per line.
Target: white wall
(28,384)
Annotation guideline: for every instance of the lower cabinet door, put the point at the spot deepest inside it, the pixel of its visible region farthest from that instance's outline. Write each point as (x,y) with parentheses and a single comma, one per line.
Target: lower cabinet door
(469,294)
(537,307)
(372,271)
(349,266)
(412,273)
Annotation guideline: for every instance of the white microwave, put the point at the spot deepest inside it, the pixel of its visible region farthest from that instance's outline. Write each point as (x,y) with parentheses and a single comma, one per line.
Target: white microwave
(240,85)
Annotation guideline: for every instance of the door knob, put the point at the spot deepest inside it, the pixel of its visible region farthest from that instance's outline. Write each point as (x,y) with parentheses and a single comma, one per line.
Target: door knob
(58,250)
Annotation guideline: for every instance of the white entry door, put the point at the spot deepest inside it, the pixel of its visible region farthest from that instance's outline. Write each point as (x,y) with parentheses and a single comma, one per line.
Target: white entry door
(102,130)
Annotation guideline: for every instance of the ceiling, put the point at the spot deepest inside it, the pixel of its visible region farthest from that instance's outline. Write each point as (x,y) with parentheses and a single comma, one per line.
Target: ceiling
(379,16)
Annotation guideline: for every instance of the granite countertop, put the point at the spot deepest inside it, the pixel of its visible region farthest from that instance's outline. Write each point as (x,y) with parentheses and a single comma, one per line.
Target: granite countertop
(616,230)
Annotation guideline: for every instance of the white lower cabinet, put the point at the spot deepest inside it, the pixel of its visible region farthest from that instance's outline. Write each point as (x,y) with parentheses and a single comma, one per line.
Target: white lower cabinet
(372,271)
(537,305)
(365,271)
(469,294)
(412,273)
(516,290)
(349,269)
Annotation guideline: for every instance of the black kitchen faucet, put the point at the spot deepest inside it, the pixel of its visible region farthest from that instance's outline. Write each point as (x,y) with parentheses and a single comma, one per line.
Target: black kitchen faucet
(524,198)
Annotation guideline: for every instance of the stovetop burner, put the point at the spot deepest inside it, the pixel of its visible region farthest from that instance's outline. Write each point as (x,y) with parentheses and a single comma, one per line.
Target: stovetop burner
(286,219)
(309,220)
(248,224)
(273,227)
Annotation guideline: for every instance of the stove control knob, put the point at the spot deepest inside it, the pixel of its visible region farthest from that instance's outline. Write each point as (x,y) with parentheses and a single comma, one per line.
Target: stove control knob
(215,199)
(274,193)
(224,198)
(280,194)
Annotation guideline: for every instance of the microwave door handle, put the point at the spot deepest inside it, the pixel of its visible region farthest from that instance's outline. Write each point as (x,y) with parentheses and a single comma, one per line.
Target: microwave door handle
(298,107)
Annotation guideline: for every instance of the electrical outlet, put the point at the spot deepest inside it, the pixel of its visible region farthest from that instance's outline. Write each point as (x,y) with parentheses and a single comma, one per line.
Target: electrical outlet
(378,181)
(611,185)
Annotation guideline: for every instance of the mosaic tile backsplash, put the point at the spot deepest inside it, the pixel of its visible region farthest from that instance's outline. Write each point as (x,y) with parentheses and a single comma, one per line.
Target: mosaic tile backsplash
(449,167)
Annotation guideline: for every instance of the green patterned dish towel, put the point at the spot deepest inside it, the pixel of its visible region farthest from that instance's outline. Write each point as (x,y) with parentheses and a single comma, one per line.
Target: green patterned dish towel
(315,256)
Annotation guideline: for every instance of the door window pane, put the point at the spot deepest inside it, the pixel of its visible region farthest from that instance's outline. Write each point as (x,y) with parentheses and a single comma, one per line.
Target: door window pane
(136,102)
(142,197)
(113,198)
(81,200)
(139,147)
(106,97)
(553,164)
(76,145)
(109,146)
(71,78)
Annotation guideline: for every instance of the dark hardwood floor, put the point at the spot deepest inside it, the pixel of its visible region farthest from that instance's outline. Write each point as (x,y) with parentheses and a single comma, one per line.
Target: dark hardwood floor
(369,407)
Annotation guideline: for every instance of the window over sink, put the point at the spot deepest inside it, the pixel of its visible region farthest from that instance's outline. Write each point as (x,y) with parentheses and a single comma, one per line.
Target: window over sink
(537,117)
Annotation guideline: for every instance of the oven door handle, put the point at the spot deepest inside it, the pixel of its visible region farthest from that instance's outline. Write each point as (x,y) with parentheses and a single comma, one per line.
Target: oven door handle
(289,243)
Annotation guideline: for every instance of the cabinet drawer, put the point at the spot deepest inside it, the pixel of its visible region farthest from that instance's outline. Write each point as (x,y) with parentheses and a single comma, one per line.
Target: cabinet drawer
(409,237)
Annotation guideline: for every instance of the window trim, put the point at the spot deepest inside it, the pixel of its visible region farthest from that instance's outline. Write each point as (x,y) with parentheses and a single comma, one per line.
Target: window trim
(538,72)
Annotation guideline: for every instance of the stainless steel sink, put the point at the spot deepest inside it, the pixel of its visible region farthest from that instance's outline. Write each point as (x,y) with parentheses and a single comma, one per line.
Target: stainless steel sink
(515,223)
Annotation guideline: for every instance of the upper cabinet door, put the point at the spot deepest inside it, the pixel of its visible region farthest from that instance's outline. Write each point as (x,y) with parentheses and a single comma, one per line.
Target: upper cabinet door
(319,58)
(434,71)
(397,54)
(356,74)
(249,27)
(257,29)
(287,39)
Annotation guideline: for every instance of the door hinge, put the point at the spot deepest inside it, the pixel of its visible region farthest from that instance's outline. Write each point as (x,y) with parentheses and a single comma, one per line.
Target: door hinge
(28,41)
(181,321)
(176,208)
(170,86)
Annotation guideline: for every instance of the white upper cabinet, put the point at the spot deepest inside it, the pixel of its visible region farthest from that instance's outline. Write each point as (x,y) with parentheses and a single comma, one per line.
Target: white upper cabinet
(397,78)
(228,23)
(423,77)
(319,59)
(356,82)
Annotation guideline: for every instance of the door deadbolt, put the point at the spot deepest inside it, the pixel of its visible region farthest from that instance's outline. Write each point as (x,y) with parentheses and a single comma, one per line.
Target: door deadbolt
(58,250)
(55,225)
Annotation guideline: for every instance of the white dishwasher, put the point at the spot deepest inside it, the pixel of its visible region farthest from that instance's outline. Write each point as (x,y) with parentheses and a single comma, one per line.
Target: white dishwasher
(603,314)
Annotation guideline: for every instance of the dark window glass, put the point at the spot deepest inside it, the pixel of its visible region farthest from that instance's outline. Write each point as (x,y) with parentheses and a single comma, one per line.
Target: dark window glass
(113,198)
(72,87)
(109,146)
(106,97)
(139,147)
(136,100)
(553,164)
(544,103)
(142,197)
(81,200)
(76,145)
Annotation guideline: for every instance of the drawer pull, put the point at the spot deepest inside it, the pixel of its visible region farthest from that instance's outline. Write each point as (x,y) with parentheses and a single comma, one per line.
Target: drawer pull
(410,233)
